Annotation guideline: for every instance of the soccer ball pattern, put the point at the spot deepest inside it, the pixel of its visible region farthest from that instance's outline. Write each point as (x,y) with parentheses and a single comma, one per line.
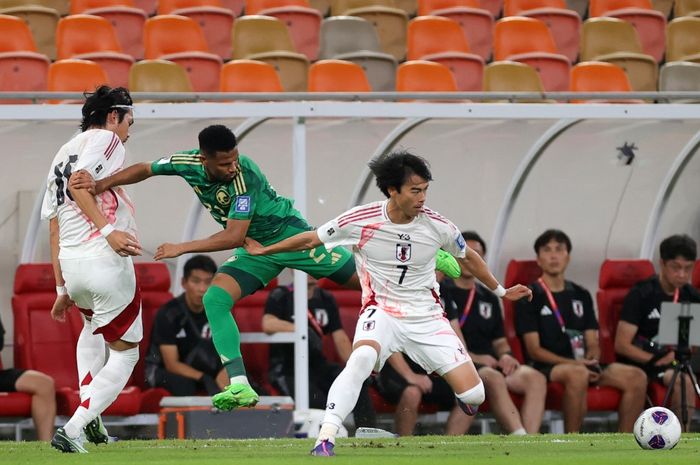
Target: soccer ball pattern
(657,428)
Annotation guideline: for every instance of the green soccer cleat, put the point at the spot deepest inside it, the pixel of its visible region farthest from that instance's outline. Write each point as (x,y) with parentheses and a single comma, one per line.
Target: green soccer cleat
(235,396)
(62,442)
(447,264)
(95,431)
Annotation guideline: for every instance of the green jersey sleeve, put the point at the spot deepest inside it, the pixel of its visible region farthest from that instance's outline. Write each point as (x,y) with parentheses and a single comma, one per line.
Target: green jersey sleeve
(178,164)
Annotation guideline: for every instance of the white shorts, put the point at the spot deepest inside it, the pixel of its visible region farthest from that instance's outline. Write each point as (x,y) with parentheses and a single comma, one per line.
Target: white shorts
(104,288)
(431,342)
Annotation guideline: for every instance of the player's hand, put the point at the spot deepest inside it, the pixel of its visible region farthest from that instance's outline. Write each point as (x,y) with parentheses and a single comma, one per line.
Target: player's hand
(422,382)
(81,179)
(508,364)
(485,360)
(167,250)
(517,292)
(666,359)
(253,247)
(124,243)
(60,307)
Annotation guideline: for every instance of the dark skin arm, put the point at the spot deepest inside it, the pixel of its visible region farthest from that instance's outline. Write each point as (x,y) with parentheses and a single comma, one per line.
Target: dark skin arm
(230,238)
(133,174)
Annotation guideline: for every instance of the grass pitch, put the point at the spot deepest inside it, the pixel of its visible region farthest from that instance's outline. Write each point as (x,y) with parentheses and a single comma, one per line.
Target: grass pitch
(596,449)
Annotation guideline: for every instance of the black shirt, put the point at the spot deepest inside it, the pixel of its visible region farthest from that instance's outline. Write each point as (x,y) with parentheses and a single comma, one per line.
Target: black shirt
(642,305)
(484,322)
(576,308)
(326,315)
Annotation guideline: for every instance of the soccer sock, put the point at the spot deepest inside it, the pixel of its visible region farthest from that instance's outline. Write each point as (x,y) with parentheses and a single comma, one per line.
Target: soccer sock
(90,354)
(224,332)
(519,432)
(473,396)
(345,390)
(103,389)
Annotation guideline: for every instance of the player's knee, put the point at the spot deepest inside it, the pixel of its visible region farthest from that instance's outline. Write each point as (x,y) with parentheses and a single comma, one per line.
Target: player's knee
(363,359)
(129,356)
(216,301)
(473,396)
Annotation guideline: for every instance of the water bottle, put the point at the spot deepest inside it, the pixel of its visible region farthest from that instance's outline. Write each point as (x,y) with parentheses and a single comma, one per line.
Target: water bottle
(372,433)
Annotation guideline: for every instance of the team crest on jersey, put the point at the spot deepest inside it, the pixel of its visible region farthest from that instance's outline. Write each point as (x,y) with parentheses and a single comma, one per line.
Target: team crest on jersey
(578,308)
(368,325)
(403,252)
(321,316)
(243,204)
(222,196)
(485,310)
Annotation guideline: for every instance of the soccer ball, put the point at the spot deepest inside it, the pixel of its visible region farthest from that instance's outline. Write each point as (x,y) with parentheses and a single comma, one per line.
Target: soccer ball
(657,428)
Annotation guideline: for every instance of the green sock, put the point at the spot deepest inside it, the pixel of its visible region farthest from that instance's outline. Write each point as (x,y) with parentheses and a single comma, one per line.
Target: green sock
(224,331)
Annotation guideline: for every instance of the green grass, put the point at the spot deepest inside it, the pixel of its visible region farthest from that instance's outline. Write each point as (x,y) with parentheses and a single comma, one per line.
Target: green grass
(596,449)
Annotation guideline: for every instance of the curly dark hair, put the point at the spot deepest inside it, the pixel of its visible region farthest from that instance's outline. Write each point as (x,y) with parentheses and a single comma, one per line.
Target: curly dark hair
(394,170)
(100,103)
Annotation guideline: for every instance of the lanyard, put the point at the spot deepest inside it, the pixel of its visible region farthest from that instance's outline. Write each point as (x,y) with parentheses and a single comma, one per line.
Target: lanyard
(553,304)
(314,323)
(676,295)
(467,306)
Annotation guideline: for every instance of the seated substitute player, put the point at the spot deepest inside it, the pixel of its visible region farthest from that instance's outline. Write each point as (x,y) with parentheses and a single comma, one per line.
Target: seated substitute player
(239,197)
(394,243)
(38,385)
(560,334)
(92,240)
(324,320)
(476,313)
(641,312)
(182,357)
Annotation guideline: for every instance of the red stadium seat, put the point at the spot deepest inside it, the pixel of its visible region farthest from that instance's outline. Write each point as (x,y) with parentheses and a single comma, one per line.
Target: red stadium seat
(518,272)
(15,404)
(695,280)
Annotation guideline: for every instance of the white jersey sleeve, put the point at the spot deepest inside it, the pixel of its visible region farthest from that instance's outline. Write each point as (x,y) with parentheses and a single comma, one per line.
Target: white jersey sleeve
(332,235)
(454,242)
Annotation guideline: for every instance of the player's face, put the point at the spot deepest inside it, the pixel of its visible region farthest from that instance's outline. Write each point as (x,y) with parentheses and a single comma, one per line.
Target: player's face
(411,198)
(121,128)
(195,286)
(223,166)
(553,258)
(677,272)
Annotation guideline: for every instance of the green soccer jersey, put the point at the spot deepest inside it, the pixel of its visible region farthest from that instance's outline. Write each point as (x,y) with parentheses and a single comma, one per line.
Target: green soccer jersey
(248,196)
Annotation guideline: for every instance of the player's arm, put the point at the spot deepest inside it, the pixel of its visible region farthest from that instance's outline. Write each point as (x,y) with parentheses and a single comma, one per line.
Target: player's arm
(302,241)
(506,361)
(172,363)
(421,381)
(62,302)
(272,324)
(133,174)
(230,238)
(590,337)
(473,262)
(343,346)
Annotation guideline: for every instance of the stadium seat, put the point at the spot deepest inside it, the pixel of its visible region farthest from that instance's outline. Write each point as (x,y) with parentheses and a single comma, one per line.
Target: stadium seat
(579,6)
(180,39)
(127,20)
(249,76)
(683,8)
(21,67)
(695,279)
(616,41)
(81,6)
(322,6)
(389,21)
(93,38)
(614,281)
(158,76)
(683,40)
(303,22)
(564,24)
(62,7)
(235,6)
(264,38)
(649,23)
(529,41)
(42,21)
(149,6)
(354,39)
(75,75)
(523,272)
(215,21)
(475,21)
(680,76)
(599,76)
(424,76)
(441,40)
(337,76)
(511,76)
(15,404)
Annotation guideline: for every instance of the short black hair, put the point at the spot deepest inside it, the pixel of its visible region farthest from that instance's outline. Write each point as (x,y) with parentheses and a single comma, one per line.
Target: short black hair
(678,245)
(199,262)
(549,235)
(100,103)
(474,236)
(216,138)
(394,170)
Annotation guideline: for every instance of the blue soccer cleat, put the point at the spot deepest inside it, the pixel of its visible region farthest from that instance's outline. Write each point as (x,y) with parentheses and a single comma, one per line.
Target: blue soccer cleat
(324,449)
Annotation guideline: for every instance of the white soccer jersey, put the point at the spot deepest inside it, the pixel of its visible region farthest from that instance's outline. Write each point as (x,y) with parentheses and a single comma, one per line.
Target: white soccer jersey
(101,153)
(395,262)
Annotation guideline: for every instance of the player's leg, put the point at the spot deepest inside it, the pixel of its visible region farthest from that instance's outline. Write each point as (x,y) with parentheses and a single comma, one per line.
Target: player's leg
(41,388)
(502,405)
(632,382)
(532,385)
(574,377)
(90,354)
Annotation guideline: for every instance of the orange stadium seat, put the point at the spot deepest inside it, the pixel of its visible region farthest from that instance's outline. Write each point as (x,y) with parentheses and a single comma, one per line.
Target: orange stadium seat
(42,22)
(235,6)
(337,76)
(93,38)
(599,76)
(683,40)
(303,22)
(564,24)
(75,75)
(424,76)
(439,39)
(81,6)
(180,39)
(21,67)
(158,76)
(249,76)
(649,23)
(149,6)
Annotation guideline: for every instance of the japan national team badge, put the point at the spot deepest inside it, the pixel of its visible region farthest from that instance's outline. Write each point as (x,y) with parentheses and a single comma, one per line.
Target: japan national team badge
(368,325)
(403,252)
(578,308)
(485,310)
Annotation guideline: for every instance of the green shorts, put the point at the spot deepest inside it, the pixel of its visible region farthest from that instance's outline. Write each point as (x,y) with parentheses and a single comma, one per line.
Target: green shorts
(254,272)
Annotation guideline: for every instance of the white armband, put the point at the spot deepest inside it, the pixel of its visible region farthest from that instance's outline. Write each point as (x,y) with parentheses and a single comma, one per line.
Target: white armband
(61,290)
(107,230)
(500,291)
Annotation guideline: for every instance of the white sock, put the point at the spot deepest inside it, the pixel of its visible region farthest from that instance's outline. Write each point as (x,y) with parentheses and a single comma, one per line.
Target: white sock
(473,396)
(90,353)
(519,432)
(103,389)
(345,390)
(240,379)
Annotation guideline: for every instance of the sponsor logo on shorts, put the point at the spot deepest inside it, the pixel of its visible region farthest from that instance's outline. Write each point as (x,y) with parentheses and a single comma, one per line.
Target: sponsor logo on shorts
(368,325)
(243,204)
(403,252)
(233,258)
